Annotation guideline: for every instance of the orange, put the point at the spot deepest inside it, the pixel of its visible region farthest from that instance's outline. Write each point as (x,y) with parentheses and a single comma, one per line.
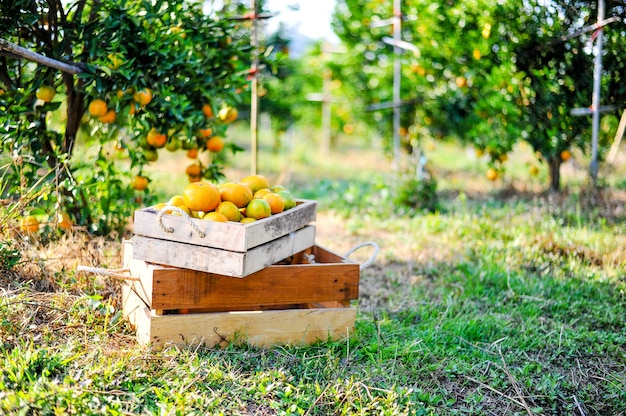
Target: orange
(46,93)
(207,110)
(143,96)
(227,114)
(176,200)
(256,182)
(201,196)
(205,133)
(194,178)
(192,153)
(156,138)
(533,170)
(261,193)
(63,221)
(237,193)
(139,183)
(108,117)
(247,220)
(98,107)
(258,209)
(229,210)
(492,174)
(215,144)
(150,154)
(194,170)
(132,109)
(215,216)
(277,204)
(173,144)
(566,155)
(290,201)
(29,224)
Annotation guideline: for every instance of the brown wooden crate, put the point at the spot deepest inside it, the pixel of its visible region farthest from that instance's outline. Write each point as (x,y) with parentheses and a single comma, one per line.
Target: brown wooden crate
(289,284)
(230,236)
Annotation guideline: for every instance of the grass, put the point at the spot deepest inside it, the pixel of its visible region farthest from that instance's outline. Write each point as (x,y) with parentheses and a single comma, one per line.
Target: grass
(499,303)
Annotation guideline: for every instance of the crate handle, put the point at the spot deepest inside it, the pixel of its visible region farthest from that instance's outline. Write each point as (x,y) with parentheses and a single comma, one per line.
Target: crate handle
(371,259)
(169,208)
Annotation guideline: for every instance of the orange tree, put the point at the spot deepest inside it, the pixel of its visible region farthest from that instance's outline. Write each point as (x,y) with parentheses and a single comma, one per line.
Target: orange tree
(488,73)
(118,82)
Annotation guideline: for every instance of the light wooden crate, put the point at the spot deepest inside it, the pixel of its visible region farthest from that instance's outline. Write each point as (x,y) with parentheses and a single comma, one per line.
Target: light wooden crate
(232,249)
(295,302)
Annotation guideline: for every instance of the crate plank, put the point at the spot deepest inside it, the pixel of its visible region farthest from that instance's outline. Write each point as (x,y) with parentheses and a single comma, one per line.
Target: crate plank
(259,328)
(228,236)
(212,260)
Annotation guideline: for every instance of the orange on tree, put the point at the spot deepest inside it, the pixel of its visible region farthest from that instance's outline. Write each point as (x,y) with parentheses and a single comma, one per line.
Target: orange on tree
(173,144)
(227,114)
(207,110)
(237,193)
(201,196)
(277,204)
(205,133)
(566,155)
(139,183)
(108,117)
(97,108)
(215,144)
(63,221)
(29,224)
(258,209)
(256,182)
(194,170)
(192,153)
(45,93)
(150,154)
(533,170)
(155,138)
(492,174)
(143,96)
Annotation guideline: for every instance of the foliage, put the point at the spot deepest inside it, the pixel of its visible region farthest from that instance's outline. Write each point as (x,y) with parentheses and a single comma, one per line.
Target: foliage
(185,57)
(490,73)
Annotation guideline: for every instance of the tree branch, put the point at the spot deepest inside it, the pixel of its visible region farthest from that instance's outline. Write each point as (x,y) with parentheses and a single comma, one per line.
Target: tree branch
(12,48)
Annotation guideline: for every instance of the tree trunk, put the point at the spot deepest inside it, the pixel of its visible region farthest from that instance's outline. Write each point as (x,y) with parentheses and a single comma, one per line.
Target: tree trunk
(554,164)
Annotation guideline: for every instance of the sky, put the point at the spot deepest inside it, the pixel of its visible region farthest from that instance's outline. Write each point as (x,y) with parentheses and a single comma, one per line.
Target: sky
(309,17)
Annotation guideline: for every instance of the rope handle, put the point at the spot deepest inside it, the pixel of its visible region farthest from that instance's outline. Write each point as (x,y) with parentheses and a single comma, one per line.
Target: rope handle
(116,273)
(372,257)
(170,208)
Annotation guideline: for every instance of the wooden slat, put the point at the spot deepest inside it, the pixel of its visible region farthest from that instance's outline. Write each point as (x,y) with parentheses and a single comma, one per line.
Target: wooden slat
(228,236)
(212,260)
(262,328)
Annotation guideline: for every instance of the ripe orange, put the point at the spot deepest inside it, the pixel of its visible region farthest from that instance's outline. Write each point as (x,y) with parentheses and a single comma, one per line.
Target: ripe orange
(533,170)
(566,155)
(261,193)
(227,114)
(97,108)
(29,224)
(108,117)
(215,216)
(290,201)
(237,193)
(63,221)
(192,153)
(45,93)
(201,196)
(176,200)
(139,183)
(256,182)
(143,96)
(277,204)
(229,210)
(215,144)
(205,133)
(207,110)
(194,170)
(247,220)
(258,209)
(156,138)
(492,174)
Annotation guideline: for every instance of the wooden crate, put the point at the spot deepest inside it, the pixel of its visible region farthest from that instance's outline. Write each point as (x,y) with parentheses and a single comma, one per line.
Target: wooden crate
(230,236)
(231,249)
(290,303)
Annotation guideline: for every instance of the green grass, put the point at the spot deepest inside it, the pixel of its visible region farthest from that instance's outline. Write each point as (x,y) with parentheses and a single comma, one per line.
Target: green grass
(494,304)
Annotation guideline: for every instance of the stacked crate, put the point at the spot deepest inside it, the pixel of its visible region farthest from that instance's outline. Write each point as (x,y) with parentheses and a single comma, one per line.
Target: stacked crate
(264,283)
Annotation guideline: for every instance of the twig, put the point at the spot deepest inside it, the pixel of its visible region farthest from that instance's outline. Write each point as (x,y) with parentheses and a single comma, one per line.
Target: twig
(516,386)
(578,406)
